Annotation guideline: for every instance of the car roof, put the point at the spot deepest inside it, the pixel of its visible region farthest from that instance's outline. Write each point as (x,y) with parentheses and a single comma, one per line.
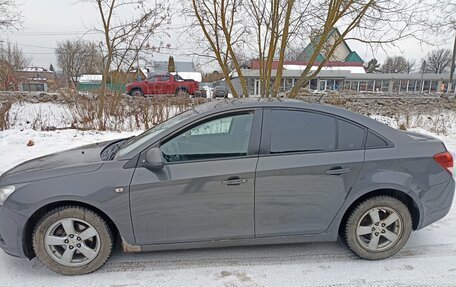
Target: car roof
(240,103)
(217,106)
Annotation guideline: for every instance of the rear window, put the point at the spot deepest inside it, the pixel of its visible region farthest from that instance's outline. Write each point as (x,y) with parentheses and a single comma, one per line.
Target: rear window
(350,136)
(374,141)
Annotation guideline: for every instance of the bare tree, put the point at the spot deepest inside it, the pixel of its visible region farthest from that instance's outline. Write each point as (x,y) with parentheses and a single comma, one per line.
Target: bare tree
(397,64)
(77,57)
(10,16)
(275,24)
(223,30)
(125,38)
(13,55)
(445,26)
(438,61)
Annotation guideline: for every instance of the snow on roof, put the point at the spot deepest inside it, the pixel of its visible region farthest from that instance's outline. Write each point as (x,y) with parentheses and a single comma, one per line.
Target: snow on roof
(90,78)
(352,69)
(34,69)
(196,76)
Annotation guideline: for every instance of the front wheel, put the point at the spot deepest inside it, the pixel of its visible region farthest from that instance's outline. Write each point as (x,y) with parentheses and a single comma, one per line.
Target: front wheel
(72,240)
(378,227)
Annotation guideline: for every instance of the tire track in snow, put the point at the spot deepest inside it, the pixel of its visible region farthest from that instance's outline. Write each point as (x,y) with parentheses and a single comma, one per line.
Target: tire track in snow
(152,264)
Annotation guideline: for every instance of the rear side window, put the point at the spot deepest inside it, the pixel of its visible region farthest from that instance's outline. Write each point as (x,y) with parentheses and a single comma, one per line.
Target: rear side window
(374,141)
(296,131)
(350,136)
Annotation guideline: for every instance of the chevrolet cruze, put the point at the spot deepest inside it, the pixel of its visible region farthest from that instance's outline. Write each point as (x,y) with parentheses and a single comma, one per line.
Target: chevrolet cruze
(228,173)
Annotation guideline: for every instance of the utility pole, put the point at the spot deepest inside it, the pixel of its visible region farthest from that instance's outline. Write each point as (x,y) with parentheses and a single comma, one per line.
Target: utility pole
(450,84)
(423,68)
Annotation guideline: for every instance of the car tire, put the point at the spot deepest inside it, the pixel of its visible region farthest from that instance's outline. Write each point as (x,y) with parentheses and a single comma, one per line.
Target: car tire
(182,92)
(378,228)
(137,92)
(85,248)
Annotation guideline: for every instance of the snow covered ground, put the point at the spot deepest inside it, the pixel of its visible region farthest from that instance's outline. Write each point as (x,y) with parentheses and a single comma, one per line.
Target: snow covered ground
(429,258)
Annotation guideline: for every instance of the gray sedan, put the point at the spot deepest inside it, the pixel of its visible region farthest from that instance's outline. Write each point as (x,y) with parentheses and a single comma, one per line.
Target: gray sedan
(228,173)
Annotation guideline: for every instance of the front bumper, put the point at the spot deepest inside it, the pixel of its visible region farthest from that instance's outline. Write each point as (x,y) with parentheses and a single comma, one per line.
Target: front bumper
(11,232)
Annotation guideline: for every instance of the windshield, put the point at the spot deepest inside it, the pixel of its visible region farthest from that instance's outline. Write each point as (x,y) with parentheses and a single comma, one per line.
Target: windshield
(137,141)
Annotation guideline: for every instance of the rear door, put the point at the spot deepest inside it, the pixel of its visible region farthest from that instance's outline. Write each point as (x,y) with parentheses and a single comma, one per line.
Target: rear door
(309,164)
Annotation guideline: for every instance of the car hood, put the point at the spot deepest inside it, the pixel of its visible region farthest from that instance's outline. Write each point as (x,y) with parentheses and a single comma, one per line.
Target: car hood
(77,160)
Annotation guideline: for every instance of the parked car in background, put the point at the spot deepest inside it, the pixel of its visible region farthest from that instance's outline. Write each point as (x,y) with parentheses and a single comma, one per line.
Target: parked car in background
(220,92)
(209,88)
(166,84)
(228,173)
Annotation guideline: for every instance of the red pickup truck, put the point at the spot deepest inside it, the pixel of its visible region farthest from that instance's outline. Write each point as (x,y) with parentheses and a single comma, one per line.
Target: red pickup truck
(166,84)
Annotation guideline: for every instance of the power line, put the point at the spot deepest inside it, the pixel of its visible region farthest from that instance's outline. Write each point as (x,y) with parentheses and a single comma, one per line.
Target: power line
(55,33)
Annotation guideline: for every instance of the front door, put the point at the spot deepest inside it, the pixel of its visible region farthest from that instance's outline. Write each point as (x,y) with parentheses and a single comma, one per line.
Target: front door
(313,161)
(205,190)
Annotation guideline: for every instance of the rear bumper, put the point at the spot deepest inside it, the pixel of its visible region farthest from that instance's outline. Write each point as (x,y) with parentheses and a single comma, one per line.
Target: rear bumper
(437,202)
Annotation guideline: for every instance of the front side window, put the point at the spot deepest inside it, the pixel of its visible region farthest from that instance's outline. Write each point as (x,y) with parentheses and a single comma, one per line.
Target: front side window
(164,78)
(218,138)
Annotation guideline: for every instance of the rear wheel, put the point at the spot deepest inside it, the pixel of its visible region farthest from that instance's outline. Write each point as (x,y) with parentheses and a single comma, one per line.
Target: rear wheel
(137,92)
(182,92)
(72,240)
(378,227)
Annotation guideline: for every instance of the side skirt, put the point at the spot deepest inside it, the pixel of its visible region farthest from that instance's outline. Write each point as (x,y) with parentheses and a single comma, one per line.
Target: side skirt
(230,242)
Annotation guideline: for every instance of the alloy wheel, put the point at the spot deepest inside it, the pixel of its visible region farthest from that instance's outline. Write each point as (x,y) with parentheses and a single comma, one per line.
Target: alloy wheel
(72,242)
(379,229)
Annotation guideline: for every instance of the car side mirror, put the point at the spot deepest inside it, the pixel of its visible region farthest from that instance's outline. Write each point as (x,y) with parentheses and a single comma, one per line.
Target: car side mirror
(153,159)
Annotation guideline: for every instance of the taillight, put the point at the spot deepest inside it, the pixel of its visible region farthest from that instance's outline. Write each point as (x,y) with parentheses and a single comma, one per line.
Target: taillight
(445,160)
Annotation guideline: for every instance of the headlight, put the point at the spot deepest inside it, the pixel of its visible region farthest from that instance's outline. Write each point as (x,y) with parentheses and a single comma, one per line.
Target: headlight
(5,191)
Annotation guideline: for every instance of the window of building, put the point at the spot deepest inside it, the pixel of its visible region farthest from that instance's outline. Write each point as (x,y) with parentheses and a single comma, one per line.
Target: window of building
(426,86)
(433,87)
(396,85)
(33,87)
(378,85)
(385,85)
(403,87)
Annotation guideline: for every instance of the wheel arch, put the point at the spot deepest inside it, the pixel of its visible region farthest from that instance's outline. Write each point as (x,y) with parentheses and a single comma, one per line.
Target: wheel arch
(135,88)
(27,235)
(400,195)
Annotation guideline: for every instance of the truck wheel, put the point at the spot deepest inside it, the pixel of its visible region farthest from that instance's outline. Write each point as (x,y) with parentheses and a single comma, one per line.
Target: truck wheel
(182,92)
(137,92)
(72,240)
(378,228)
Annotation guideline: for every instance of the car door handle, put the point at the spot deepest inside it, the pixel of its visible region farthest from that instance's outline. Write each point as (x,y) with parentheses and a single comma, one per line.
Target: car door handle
(235,180)
(337,171)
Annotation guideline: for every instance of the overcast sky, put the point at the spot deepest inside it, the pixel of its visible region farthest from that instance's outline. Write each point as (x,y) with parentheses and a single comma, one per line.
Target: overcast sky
(49,21)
